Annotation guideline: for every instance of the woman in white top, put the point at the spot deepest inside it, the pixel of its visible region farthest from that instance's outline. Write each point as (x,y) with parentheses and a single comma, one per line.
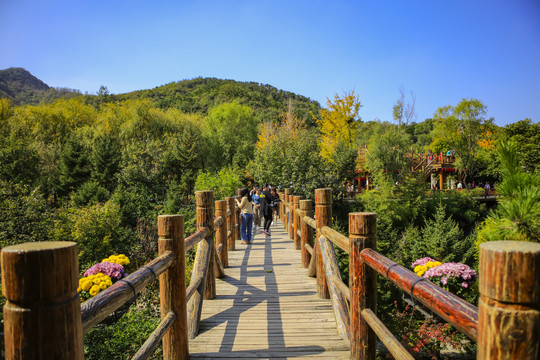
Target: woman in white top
(246,207)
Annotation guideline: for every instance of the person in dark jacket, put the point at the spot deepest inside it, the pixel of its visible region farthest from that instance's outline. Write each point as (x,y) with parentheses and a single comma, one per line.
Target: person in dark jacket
(267,200)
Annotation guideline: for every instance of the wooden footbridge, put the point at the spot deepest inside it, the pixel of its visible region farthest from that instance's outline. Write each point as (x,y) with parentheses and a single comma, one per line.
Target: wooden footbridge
(281,297)
(266,307)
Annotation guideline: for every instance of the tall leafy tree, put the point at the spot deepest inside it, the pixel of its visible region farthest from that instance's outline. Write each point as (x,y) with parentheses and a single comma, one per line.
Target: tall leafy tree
(460,128)
(526,136)
(74,166)
(231,129)
(339,123)
(105,160)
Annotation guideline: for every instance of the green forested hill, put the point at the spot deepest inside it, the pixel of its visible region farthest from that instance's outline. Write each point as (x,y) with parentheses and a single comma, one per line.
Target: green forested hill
(199,95)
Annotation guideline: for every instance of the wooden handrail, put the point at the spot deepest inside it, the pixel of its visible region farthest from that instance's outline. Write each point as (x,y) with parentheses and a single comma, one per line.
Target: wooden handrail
(96,309)
(341,241)
(153,341)
(448,306)
(70,319)
(193,285)
(339,303)
(392,344)
(195,238)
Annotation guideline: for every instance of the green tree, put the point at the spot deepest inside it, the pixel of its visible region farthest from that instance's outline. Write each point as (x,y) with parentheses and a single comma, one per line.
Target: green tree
(231,130)
(526,136)
(518,212)
(105,160)
(460,128)
(74,166)
(224,183)
(25,215)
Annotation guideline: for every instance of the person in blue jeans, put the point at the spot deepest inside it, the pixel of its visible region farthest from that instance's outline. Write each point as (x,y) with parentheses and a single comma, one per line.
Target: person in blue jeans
(246,207)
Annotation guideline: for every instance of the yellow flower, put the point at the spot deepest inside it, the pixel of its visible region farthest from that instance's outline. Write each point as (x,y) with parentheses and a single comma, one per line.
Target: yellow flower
(94,290)
(79,289)
(103,285)
(437,263)
(96,280)
(420,273)
(430,264)
(424,268)
(417,268)
(86,285)
(108,282)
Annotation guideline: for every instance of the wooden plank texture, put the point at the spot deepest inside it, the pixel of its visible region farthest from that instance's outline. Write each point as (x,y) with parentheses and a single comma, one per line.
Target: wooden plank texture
(266,307)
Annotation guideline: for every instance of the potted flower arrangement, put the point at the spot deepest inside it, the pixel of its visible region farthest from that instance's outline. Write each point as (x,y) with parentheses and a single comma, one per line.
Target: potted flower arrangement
(453,277)
(102,275)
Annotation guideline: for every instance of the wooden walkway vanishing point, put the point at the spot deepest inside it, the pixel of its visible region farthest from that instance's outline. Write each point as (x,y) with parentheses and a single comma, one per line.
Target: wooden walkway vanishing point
(267,308)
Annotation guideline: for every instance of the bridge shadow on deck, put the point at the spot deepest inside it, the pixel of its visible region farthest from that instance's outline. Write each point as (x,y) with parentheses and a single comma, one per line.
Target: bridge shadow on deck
(248,297)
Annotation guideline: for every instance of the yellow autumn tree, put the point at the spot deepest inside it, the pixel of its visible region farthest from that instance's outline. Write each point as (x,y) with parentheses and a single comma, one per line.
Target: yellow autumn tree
(339,123)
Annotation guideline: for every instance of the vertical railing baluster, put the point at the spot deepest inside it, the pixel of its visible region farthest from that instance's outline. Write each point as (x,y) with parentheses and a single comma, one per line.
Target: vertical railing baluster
(362,284)
(172,287)
(323,214)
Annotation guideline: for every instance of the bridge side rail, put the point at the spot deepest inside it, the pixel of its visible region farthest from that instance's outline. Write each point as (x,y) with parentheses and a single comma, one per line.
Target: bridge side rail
(505,325)
(43,313)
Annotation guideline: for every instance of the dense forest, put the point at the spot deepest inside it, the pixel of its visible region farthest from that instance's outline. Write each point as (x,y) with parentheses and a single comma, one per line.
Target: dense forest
(98,169)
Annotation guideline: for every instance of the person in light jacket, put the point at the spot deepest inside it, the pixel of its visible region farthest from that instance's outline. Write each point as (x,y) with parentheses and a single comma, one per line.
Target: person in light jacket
(246,207)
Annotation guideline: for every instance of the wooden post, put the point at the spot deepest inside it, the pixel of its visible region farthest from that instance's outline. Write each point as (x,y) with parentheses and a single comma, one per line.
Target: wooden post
(323,214)
(231,223)
(221,232)
(509,307)
(201,266)
(306,206)
(172,287)
(238,222)
(362,284)
(281,206)
(290,228)
(296,224)
(205,218)
(42,314)
(286,211)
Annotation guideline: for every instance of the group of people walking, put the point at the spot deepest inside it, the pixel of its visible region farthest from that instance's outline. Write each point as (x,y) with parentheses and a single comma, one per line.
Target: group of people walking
(256,206)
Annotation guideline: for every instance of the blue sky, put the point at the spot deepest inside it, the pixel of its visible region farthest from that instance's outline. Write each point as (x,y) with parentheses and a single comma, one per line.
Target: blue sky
(442,51)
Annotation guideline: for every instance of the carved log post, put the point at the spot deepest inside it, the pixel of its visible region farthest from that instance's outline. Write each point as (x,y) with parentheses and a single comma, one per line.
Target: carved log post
(286,209)
(306,206)
(290,228)
(172,287)
(221,232)
(231,223)
(204,200)
(296,224)
(282,197)
(42,314)
(323,214)
(238,220)
(509,307)
(362,284)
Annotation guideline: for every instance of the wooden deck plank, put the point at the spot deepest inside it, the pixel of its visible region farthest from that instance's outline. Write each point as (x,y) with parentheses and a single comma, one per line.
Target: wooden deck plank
(267,308)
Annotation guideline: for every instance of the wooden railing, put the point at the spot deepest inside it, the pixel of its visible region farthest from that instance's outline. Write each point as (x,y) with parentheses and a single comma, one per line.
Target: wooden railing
(506,325)
(43,314)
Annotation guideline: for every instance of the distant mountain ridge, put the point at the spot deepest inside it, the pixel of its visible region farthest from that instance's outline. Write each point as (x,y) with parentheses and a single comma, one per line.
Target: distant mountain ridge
(197,95)
(21,87)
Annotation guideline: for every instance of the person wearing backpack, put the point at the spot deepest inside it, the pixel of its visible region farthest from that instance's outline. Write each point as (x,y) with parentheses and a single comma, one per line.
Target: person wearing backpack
(267,201)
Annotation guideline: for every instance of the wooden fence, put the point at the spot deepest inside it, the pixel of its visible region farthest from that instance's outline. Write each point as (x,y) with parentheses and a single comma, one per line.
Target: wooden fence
(43,316)
(506,325)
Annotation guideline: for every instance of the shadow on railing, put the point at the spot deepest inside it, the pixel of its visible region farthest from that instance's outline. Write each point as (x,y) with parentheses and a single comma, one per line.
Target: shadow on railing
(505,326)
(43,314)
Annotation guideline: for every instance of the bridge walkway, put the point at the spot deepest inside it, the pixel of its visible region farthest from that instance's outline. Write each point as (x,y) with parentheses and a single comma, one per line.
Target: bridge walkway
(267,308)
